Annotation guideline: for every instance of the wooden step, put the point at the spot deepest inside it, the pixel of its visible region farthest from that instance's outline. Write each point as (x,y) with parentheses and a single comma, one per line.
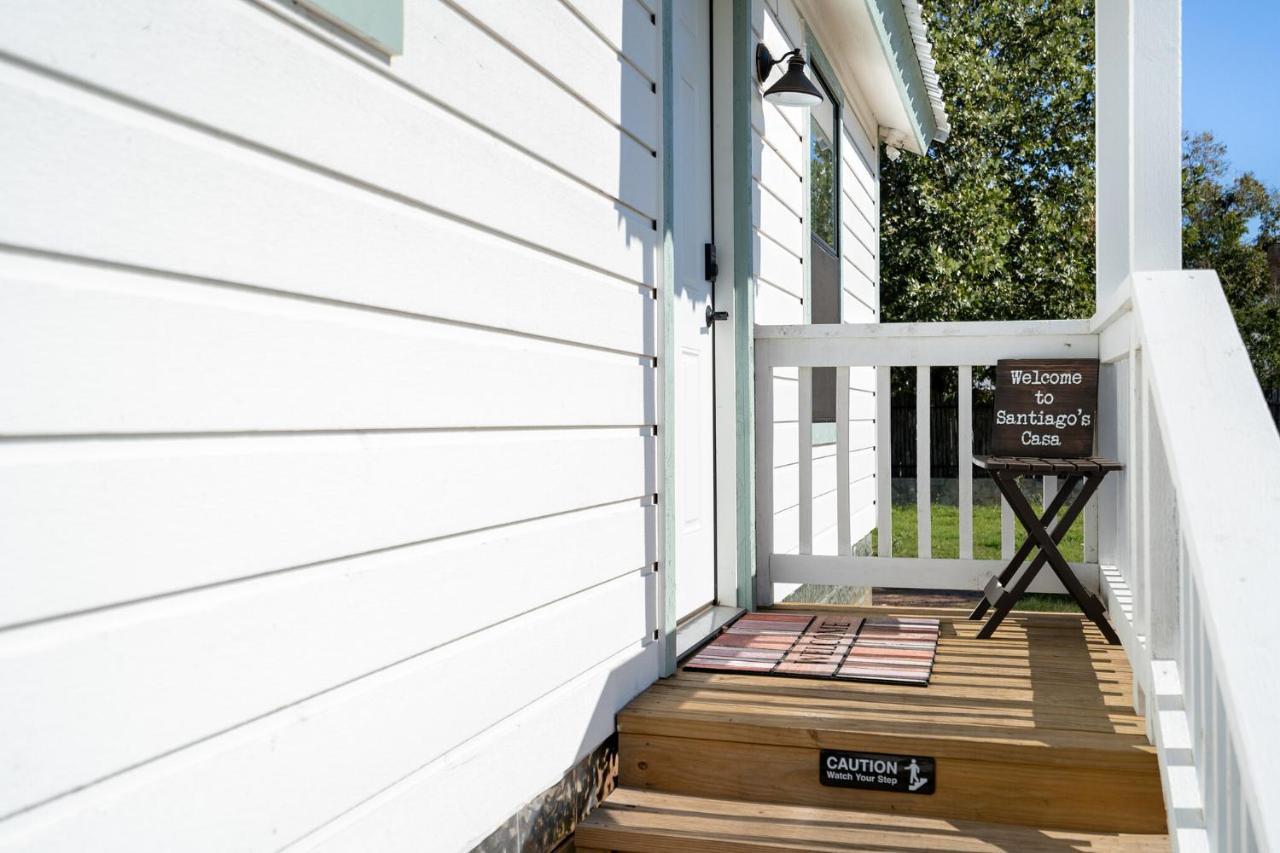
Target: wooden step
(1033,727)
(635,821)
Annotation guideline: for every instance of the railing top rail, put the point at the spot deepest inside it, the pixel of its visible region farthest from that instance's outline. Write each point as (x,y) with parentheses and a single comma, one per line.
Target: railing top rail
(922,344)
(1224,460)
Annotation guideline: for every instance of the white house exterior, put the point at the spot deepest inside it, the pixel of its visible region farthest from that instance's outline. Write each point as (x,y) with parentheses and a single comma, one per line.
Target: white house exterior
(363,439)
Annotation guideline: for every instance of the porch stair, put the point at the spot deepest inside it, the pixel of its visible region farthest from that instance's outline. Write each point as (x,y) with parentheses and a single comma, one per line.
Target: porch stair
(1033,731)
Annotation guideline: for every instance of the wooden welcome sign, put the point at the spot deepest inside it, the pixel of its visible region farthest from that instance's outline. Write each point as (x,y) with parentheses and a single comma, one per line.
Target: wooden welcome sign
(1045,407)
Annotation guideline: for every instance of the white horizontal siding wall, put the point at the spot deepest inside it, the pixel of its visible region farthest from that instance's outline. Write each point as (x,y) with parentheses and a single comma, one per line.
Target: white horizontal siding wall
(326,455)
(780,167)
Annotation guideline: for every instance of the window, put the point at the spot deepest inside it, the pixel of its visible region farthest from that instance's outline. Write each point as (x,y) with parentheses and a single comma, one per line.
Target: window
(824,247)
(822,178)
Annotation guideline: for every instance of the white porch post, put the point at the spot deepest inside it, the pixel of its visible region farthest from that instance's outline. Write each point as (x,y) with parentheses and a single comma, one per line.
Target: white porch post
(1139,139)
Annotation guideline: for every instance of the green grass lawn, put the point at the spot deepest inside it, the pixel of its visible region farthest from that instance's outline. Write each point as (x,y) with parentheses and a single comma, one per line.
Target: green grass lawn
(986,542)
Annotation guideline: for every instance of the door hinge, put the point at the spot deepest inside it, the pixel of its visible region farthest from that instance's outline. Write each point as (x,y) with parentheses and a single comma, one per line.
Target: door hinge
(710,268)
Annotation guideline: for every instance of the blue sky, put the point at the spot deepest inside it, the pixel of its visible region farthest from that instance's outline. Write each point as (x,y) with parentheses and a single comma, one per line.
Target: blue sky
(1231,79)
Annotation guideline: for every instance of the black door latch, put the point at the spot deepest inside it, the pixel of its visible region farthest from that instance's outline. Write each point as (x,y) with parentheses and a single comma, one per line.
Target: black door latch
(713,315)
(710,268)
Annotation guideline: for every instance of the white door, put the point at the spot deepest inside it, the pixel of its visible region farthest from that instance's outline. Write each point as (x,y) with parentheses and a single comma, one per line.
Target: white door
(695,574)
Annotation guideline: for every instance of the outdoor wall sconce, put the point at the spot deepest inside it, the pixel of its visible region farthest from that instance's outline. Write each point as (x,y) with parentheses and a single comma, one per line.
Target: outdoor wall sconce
(793,89)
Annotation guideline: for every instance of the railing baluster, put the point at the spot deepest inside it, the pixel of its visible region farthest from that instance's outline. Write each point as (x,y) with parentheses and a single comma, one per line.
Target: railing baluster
(884,464)
(844,543)
(805,455)
(764,484)
(964,461)
(924,522)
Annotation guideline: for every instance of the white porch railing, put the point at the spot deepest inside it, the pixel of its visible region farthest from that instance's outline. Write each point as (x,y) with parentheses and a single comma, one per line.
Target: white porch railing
(1177,544)
(962,346)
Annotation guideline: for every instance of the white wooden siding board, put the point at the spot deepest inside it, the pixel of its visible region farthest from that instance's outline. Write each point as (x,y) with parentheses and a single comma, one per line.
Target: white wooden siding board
(507,287)
(859,219)
(188,202)
(864,379)
(861,438)
(787,203)
(858,180)
(786,391)
(163,515)
(769,125)
(863,292)
(556,40)
(855,310)
(780,268)
(295,112)
(790,22)
(773,301)
(860,152)
(320,757)
(860,267)
(164,673)
(776,176)
(774,220)
(457,799)
(824,481)
(83,359)
(778,164)
(864,521)
(626,27)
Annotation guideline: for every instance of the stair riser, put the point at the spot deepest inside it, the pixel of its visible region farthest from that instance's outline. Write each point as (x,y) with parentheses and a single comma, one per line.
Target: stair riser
(1072,797)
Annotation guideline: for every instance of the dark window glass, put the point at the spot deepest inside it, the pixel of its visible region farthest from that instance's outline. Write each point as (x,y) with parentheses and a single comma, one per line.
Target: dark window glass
(822,184)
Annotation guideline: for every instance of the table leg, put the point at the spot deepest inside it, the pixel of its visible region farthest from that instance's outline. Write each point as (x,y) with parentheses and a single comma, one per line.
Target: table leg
(1028,544)
(1049,551)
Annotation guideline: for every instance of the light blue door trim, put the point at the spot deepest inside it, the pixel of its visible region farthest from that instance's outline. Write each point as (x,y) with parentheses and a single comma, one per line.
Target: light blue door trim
(744,302)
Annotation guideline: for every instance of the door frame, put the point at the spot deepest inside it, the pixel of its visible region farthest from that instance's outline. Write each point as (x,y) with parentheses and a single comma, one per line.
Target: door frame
(734,533)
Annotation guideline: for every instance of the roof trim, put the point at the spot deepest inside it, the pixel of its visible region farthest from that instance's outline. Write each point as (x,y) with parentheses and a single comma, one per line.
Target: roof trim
(928,68)
(903,37)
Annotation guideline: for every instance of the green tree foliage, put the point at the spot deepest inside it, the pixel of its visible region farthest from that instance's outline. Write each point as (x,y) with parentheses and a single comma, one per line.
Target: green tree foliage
(1217,212)
(997,223)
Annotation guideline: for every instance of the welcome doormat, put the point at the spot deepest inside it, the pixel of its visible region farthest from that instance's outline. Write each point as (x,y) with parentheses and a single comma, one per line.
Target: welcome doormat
(894,649)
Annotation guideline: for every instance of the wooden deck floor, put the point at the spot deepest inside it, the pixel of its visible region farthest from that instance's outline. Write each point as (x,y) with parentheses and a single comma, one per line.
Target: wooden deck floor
(1034,727)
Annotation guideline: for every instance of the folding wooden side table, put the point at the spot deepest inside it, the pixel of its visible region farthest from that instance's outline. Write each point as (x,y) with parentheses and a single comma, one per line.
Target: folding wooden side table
(1004,470)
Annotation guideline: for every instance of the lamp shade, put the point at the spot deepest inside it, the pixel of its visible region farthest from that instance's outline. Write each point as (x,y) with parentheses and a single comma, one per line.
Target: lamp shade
(794,88)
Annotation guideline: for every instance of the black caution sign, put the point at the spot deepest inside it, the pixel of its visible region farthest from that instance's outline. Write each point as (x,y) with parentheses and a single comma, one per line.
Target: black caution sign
(903,774)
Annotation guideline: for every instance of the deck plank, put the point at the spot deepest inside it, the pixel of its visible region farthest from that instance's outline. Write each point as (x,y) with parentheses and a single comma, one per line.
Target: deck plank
(634,821)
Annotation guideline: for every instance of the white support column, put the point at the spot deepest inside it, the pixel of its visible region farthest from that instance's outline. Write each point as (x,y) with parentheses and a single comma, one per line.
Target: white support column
(1157,134)
(1139,139)
(1113,31)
